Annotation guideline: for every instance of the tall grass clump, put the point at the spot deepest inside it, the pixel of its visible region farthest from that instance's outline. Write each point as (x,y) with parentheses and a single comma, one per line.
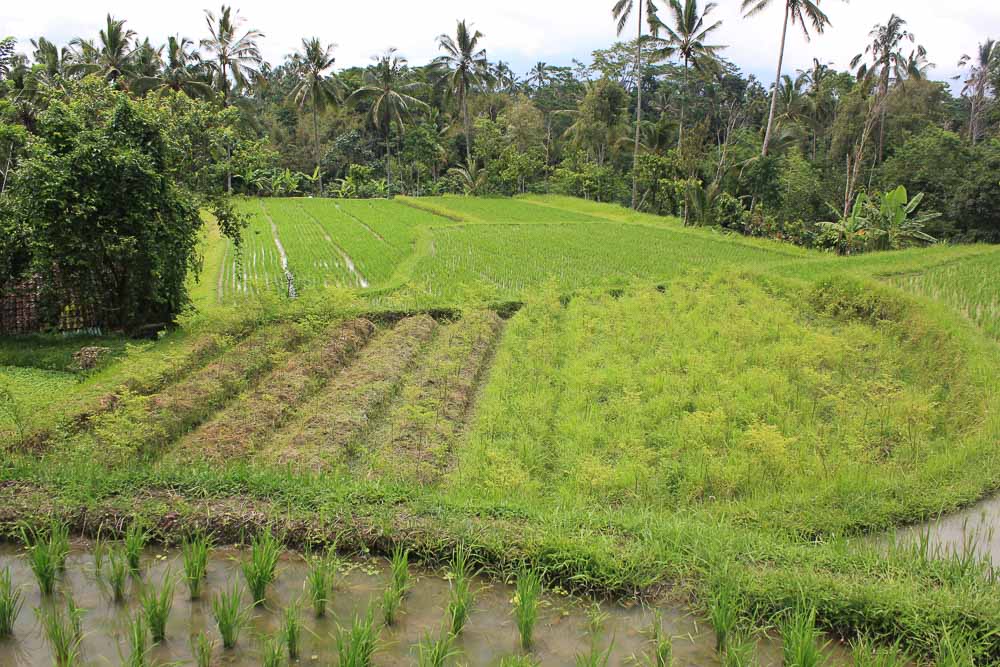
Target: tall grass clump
(11,601)
(291,629)
(461,597)
(800,639)
(527,595)
(118,570)
(259,569)
(136,633)
(61,627)
(230,615)
(319,582)
(136,537)
(435,652)
(955,650)
(156,605)
(356,645)
(195,550)
(47,554)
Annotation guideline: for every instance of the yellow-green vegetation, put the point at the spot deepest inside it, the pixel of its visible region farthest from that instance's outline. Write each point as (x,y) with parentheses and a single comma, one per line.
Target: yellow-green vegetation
(608,399)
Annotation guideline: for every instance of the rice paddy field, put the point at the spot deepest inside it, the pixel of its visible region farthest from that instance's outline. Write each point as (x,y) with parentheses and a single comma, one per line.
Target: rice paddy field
(605,402)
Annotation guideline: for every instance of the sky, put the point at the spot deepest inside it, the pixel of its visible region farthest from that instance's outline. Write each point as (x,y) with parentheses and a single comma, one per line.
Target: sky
(520,32)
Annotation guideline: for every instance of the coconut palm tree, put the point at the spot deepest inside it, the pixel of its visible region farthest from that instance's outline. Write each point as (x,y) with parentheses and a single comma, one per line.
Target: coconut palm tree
(389,95)
(55,61)
(182,71)
(504,79)
(621,11)
(977,84)
(539,75)
(686,39)
(112,57)
(796,11)
(233,56)
(315,87)
(463,67)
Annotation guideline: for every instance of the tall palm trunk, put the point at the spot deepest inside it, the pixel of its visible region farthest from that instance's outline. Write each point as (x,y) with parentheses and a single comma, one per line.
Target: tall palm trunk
(229,145)
(319,171)
(684,94)
(468,127)
(638,112)
(388,164)
(777,80)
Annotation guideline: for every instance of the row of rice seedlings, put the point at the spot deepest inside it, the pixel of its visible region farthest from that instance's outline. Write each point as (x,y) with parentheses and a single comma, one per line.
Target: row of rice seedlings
(399,584)
(47,553)
(260,569)
(11,601)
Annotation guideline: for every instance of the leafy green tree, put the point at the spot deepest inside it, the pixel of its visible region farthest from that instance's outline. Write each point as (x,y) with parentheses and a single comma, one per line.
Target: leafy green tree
(621,11)
(389,95)
(315,87)
(686,39)
(796,11)
(463,68)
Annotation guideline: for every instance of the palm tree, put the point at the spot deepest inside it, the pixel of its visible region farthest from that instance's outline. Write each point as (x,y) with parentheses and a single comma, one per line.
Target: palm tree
(233,56)
(621,11)
(796,11)
(977,84)
(686,38)
(389,94)
(55,61)
(315,87)
(463,67)
(504,79)
(112,57)
(539,75)
(182,69)
(147,59)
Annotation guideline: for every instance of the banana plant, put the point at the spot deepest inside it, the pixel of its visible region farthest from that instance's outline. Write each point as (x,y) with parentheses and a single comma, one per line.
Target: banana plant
(895,215)
(852,231)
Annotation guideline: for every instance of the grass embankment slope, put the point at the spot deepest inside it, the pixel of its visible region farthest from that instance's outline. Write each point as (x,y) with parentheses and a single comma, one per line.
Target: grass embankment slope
(670,408)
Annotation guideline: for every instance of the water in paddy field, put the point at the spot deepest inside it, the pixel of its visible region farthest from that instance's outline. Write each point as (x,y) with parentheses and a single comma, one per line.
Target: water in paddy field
(973,531)
(561,632)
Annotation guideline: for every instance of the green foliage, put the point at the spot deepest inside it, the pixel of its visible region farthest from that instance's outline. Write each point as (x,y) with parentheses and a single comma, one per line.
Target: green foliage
(291,629)
(461,596)
(436,651)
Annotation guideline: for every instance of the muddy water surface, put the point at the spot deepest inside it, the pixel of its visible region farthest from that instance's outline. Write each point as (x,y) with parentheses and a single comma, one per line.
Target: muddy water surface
(971,531)
(561,634)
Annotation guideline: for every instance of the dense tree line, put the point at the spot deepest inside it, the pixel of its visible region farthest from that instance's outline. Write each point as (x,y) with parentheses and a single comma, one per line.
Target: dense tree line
(663,122)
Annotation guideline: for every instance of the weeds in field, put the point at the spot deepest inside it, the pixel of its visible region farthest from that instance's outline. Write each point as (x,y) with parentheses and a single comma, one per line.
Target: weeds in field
(136,537)
(118,571)
(11,601)
(436,651)
(527,596)
(259,570)
(460,596)
(954,649)
(201,649)
(319,581)
(156,605)
(195,550)
(801,639)
(136,632)
(61,626)
(230,615)
(356,645)
(291,629)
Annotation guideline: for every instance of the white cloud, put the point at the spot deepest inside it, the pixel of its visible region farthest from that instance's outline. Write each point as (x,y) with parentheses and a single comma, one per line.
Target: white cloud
(520,31)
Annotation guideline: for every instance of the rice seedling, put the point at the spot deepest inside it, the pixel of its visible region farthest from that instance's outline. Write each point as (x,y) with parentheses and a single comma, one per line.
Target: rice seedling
(460,597)
(356,645)
(201,649)
(47,554)
(392,600)
(272,652)
(118,571)
(136,636)
(400,568)
(660,653)
(259,569)
(59,543)
(866,653)
(195,550)
(800,639)
(156,605)
(291,629)
(740,649)
(61,629)
(436,651)
(595,657)
(319,582)
(100,551)
(135,541)
(11,601)
(526,599)
(230,615)
(724,609)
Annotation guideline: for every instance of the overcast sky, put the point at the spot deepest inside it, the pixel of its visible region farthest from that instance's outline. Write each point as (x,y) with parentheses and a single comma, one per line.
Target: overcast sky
(518,31)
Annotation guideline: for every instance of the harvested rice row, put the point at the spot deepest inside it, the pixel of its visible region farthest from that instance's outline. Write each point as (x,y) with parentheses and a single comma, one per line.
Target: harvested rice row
(146,424)
(250,420)
(431,410)
(337,418)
